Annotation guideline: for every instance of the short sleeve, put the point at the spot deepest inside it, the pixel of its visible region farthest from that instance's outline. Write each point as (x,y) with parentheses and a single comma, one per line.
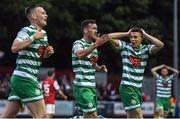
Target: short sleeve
(150,48)
(76,46)
(171,76)
(122,44)
(56,85)
(157,76)
(22,34)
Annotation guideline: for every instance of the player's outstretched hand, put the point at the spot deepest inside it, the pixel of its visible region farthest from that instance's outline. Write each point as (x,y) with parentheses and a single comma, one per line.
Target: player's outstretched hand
(49,50)
(38,35)
(65,97)
(101,40)
(144,32)
(103,68)
(129,31)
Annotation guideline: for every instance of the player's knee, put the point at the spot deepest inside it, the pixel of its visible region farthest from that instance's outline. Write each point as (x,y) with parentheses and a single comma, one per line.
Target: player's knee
(94,115)
(49,116)
(39,114)
(161,112)
(90,115)
(8,115)
(139,114)
(136,113)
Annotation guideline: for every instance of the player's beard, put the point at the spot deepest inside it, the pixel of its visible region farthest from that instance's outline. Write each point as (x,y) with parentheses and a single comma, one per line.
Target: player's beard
(94,38)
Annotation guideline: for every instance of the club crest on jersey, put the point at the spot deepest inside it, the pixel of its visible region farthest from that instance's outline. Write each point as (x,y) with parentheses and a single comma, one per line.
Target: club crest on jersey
(136,61)
(41,50)
(93,59)
(165,83)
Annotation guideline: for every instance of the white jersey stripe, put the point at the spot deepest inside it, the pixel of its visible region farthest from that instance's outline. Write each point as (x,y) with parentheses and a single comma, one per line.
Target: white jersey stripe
(24,74)
(131,83)
(84,83)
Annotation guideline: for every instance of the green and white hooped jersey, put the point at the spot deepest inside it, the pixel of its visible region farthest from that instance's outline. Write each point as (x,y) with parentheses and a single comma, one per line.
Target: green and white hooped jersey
(83,68)
(163,86)
(29,59)
(134,61)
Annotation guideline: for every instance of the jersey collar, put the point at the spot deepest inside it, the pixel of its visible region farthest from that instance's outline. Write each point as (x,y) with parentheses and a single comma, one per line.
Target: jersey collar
(86,41)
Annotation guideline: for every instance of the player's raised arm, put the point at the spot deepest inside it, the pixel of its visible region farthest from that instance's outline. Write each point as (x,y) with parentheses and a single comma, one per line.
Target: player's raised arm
(115,37)
(60,92)
(175,71)
(23,40)
(155,69)
(80,53)
(48,51)
(118,35)
(101,68)
(157,43)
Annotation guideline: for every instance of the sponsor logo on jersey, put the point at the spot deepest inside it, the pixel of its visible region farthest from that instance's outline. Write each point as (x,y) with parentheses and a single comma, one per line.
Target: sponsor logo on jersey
(165,83)
(41,50)
(93,59)
(136,61)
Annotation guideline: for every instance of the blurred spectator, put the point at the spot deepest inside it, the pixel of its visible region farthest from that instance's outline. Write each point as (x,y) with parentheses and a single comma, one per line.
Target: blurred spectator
(101,92)
(50,86)
(108,93)
(1,77)
(67,86)
(5,87)
(114,95)
(146,97)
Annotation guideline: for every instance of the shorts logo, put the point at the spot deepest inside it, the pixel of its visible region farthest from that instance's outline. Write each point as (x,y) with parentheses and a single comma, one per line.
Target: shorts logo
(90,105)
(133,101)
(38,92)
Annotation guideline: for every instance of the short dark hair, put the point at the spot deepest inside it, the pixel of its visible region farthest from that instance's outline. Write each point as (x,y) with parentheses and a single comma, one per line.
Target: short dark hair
(51,72)
(86,22)
(164,68)
(30,8)
(137,29)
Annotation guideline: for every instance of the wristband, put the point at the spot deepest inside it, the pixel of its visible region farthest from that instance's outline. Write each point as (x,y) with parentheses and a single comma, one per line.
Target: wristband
(31,38)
